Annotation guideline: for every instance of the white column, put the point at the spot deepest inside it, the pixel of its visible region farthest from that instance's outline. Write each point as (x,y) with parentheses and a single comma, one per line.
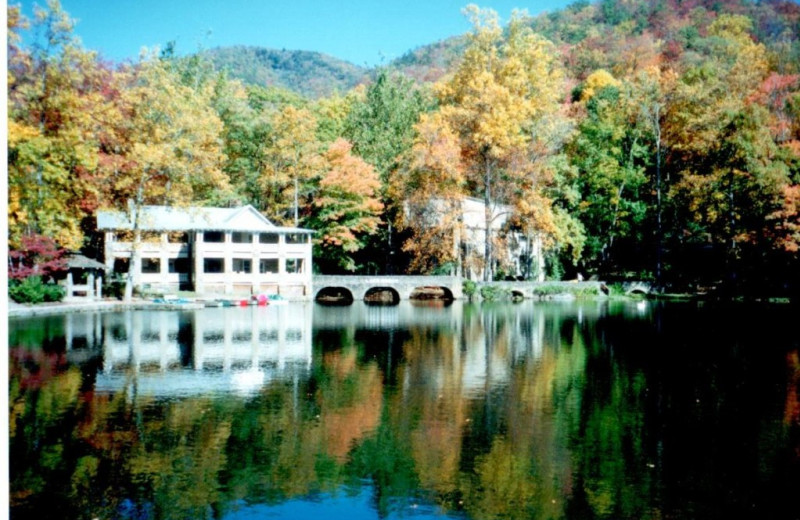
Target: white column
(255,274)
(227,268)
(197,250)
(164,256)
(108,251)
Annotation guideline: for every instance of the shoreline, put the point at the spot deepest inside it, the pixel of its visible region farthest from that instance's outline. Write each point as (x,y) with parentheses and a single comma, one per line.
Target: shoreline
(19,310)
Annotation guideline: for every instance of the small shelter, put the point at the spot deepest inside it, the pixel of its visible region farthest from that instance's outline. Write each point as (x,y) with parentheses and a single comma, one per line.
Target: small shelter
(89,275)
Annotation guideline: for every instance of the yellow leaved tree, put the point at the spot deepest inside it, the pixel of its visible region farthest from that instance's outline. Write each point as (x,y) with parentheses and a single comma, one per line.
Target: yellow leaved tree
(504,86)
(163,146)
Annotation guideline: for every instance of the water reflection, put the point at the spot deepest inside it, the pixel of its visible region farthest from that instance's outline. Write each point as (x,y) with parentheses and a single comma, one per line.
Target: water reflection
(211,351)
(597,410)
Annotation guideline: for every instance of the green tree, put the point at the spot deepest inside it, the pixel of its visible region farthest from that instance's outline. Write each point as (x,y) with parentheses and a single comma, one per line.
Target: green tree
(381,127)
(730,176)
(245,134)
(608,151)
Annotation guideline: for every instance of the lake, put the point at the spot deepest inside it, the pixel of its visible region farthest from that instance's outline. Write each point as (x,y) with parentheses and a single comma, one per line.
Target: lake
(639,410)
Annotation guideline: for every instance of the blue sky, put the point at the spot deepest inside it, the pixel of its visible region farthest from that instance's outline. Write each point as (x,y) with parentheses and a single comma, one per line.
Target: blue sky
(365,32)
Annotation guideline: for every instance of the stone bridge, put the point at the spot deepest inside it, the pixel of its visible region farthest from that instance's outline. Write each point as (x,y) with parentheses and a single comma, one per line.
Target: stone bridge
(400,285)
(637,287)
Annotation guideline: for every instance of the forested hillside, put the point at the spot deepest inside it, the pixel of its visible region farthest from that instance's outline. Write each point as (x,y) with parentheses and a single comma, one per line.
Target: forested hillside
(648,139)
(310,74)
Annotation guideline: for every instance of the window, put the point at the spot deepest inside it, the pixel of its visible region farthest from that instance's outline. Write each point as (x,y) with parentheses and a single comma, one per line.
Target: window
(180,265)
(242,265)
(151,265)
(294,265)
(268,265)
(214,237)
(178,237)
(121,265)
(124,236)
(239,237)
(296,238)
(268,238)
(214,265)
(151,237)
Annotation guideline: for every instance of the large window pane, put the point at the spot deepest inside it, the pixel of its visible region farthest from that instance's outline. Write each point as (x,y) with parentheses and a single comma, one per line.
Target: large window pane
(121,265)
(241,238)
(214,265)
(214,236)
(268,238)
(296,238)
(151,265)
(242,265)
(180,265)
(268,265)
(294,265)
(178,237)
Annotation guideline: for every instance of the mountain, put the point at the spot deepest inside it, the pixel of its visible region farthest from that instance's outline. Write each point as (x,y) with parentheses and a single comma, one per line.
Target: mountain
(616,35)
(430,62)
(620,35)
(311,74)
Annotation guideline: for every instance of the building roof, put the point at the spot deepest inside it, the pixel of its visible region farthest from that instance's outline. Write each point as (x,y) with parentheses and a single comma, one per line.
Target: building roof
(78,261)
(167,218)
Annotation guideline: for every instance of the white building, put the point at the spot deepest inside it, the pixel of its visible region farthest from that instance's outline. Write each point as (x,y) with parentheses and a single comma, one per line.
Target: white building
(518,255)
(209,250)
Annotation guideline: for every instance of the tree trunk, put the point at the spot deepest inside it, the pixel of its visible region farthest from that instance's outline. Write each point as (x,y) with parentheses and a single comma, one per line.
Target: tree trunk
(133,265)
(296,219)
(135,209)
(488,253)
(659,223)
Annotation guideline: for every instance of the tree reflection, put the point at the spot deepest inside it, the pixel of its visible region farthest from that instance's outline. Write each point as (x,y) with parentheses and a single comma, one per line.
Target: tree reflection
(555,412)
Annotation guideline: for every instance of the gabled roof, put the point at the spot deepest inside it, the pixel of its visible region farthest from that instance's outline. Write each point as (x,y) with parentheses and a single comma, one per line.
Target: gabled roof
(167,218)
(78,261)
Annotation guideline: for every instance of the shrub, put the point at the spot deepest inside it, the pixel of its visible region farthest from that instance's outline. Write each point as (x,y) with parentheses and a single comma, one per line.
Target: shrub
(38,255)
(33,290)
(579,291)
(549,290)
(492,293)
(469,288)
(114,286)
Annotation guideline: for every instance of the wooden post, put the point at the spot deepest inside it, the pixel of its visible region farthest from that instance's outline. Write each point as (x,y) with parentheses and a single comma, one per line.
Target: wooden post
(98,288)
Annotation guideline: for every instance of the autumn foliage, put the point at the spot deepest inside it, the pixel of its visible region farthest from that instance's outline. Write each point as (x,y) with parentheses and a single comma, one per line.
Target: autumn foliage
(37,256)
(647,139)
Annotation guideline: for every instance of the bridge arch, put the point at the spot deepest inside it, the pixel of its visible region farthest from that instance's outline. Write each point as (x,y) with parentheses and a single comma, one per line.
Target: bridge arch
(642,288)
(431,292)
(382,296)
(334,296)
(358,286)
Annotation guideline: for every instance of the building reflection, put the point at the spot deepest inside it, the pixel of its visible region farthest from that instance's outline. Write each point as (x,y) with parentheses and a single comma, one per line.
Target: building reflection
(240,349)
(211,351)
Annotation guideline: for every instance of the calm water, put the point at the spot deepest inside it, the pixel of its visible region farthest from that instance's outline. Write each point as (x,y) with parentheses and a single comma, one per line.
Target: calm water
(542,411)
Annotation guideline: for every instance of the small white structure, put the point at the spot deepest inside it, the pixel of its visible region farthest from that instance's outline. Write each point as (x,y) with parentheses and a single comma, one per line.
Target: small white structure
(519,255)
(209,250)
